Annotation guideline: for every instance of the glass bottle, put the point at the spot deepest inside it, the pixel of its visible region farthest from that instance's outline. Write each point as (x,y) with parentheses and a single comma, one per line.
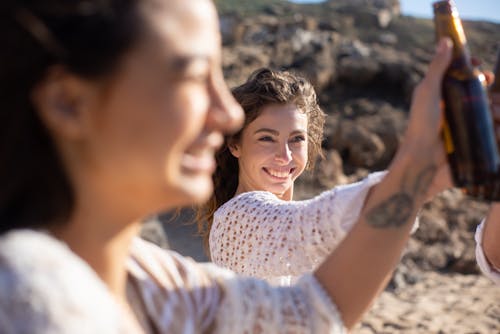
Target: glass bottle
(468,133)
(491,190)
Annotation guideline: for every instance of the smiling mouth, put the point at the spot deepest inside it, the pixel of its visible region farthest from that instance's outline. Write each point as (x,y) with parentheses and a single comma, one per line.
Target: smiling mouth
(199,162)
(279,174)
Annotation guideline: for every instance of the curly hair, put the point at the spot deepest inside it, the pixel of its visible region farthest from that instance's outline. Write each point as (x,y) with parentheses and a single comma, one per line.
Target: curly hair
(264,87)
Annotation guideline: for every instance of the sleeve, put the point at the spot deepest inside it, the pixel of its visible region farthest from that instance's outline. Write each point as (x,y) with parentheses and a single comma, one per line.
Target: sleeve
(259,235)
(301,308)
(44,288)
(182,296)
(482,262)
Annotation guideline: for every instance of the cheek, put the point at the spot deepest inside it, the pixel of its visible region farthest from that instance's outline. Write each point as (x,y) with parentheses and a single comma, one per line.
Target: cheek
(301,157)
(149,138)
(251,159)
(259,154)
(185,117)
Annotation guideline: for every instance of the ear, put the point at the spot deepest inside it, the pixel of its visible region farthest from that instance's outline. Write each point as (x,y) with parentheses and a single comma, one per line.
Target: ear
(61,101)
(234,148)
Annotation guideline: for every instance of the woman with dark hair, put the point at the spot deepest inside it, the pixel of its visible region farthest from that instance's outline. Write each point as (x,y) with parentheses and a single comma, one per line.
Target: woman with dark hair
(112,110)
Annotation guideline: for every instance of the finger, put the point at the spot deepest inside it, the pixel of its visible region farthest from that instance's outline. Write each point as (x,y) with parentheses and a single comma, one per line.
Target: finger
(489,76)
(439,63)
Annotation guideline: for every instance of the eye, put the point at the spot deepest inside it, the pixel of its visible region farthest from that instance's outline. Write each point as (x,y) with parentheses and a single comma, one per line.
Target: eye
(298,139)
(192,69)
(266,139)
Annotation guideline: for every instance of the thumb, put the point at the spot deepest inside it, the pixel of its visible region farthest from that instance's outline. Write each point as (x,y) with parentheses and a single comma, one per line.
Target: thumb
(440,62)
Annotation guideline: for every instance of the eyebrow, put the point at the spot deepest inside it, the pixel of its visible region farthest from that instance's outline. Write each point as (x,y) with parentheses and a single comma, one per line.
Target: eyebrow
(183,61)
(276,133)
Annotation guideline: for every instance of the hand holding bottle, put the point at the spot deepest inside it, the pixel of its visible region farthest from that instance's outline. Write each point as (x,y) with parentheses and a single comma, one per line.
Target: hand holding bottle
(468,130)
(423,136)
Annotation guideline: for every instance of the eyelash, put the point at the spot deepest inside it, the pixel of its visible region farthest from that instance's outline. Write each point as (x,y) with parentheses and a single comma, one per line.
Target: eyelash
(266,139)
(296,139)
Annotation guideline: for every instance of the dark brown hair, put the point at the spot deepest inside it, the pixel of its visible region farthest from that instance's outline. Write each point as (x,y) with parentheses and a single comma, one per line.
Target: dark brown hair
(263,87)
(88,38)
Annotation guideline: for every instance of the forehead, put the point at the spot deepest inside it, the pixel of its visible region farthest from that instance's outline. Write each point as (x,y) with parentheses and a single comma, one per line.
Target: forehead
(279,115)
(186,27)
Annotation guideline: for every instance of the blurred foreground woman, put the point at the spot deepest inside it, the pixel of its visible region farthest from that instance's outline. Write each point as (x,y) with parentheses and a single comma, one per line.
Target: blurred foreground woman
(112,110)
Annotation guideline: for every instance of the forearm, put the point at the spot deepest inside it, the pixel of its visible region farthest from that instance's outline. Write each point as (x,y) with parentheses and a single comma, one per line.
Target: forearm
(358,269)
(491,236)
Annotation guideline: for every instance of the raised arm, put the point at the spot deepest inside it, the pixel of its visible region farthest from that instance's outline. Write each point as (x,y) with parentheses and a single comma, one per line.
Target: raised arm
(488,244)
(377,240)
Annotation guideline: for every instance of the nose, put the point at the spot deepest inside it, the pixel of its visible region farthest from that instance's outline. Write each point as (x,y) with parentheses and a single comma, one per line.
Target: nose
(226,115)
(283,153)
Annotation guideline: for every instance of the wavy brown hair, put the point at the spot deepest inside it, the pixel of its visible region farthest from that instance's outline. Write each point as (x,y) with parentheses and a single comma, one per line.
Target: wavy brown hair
(264,87)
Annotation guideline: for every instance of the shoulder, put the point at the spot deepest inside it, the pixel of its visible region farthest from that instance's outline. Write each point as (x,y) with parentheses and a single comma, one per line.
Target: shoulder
(46,288)
(38,252)
(150,261)
(248,205)
(150,257)
(245,204)
(250,198)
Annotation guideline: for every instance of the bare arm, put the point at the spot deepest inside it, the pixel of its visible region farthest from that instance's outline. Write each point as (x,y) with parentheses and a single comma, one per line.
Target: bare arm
(357,270)
(491,236)
(491,232)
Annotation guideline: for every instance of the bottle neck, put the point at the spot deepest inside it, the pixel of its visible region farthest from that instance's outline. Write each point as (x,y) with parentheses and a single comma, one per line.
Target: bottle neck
(449,25)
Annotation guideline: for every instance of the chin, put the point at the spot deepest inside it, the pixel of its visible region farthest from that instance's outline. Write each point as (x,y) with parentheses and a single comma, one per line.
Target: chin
(279,188)
(194,191)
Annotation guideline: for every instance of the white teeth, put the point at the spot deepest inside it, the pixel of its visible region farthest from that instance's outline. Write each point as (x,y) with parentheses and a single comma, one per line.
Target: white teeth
(278,173)
(198,162)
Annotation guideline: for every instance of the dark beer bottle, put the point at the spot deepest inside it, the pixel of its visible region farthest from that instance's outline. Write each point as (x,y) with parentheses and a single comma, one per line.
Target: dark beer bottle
(468,132)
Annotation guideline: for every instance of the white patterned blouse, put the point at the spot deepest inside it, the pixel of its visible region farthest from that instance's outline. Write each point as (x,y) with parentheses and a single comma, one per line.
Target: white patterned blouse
(45,288)
(259,235)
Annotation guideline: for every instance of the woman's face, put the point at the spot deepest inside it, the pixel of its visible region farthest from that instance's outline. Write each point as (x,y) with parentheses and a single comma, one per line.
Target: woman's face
(272,151)
(164,114)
